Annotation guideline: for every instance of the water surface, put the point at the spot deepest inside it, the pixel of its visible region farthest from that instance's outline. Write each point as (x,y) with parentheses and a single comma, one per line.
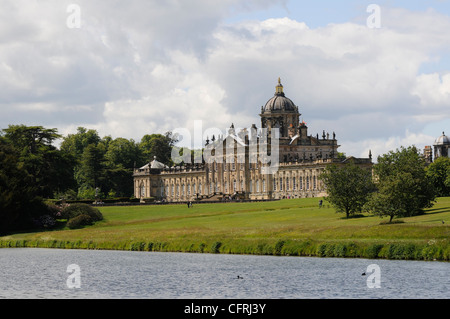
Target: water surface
(42,273)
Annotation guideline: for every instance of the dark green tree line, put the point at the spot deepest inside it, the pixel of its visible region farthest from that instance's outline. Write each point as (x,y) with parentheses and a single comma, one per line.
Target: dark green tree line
(33,169)
(107,164)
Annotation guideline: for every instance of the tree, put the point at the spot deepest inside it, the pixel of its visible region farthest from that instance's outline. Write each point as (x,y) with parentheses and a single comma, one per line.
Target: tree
(122,152)
(19,200)
(157,145)
(92,166)
(403,189)
(439,173)
(348,187)
(76,143)
(49,168)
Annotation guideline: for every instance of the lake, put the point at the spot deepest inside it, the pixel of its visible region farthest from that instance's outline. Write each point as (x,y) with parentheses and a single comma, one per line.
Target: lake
(81,274)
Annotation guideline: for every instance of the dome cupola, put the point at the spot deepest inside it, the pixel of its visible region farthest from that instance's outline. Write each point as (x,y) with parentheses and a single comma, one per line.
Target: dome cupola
(279,102)
(442,140)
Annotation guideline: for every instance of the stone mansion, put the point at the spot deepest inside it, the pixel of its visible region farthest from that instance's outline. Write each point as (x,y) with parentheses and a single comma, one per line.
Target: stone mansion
(237,168)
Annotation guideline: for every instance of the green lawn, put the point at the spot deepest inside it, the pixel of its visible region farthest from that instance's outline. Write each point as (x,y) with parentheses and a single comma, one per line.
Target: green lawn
(288,227)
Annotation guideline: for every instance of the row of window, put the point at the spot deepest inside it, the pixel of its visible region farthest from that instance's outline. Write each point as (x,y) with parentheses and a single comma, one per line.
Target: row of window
(232,166)
(308,182)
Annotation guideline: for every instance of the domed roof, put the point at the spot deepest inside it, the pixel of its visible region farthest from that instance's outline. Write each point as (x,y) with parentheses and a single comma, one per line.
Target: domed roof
(154,165)
(279,102)
(442,140)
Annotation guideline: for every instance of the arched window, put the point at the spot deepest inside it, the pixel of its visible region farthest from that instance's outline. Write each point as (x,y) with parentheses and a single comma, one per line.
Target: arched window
(287,183)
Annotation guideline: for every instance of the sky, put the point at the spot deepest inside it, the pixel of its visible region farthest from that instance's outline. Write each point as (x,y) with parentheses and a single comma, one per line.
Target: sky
(379,78)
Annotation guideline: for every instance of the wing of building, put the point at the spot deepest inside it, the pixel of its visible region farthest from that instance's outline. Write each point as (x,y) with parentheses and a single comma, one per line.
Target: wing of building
(441,148)
(277,160)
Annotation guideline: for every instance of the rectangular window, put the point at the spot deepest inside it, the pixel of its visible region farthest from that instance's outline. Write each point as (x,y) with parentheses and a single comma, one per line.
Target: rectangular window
(294,186)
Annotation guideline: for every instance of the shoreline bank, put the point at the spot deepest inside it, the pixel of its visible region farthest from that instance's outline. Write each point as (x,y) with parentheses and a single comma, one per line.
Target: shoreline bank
(437,251)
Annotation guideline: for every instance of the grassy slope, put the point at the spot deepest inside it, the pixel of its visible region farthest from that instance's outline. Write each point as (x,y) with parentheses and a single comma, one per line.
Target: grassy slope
(295,226)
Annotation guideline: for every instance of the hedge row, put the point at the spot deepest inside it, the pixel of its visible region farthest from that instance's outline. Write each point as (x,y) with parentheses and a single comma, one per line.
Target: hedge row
(403,251)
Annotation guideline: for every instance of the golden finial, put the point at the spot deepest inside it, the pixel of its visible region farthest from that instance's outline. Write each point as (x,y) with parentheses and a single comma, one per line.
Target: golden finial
(279,87)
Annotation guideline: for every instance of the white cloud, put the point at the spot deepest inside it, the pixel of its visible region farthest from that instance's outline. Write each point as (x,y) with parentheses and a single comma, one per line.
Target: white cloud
(382,146)
(135,68)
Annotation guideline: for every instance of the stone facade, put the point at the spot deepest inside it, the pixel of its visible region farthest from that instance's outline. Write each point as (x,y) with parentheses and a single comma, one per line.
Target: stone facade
(238,171)
(441,148)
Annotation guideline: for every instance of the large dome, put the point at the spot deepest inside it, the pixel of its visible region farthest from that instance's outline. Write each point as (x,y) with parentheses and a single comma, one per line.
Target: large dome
(442,140)
(279,102)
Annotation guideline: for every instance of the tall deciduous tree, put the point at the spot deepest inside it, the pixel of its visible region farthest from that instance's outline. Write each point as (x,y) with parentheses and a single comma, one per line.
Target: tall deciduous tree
(403,187)
(157,145)
(76,143)
(348,187)
(121,157)
(439,173)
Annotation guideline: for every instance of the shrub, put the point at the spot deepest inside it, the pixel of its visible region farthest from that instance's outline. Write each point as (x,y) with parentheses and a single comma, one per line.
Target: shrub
(79,221)
(321,250)
(340,250)
(278,247)
(77,209)
(215,247)
(373,251)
